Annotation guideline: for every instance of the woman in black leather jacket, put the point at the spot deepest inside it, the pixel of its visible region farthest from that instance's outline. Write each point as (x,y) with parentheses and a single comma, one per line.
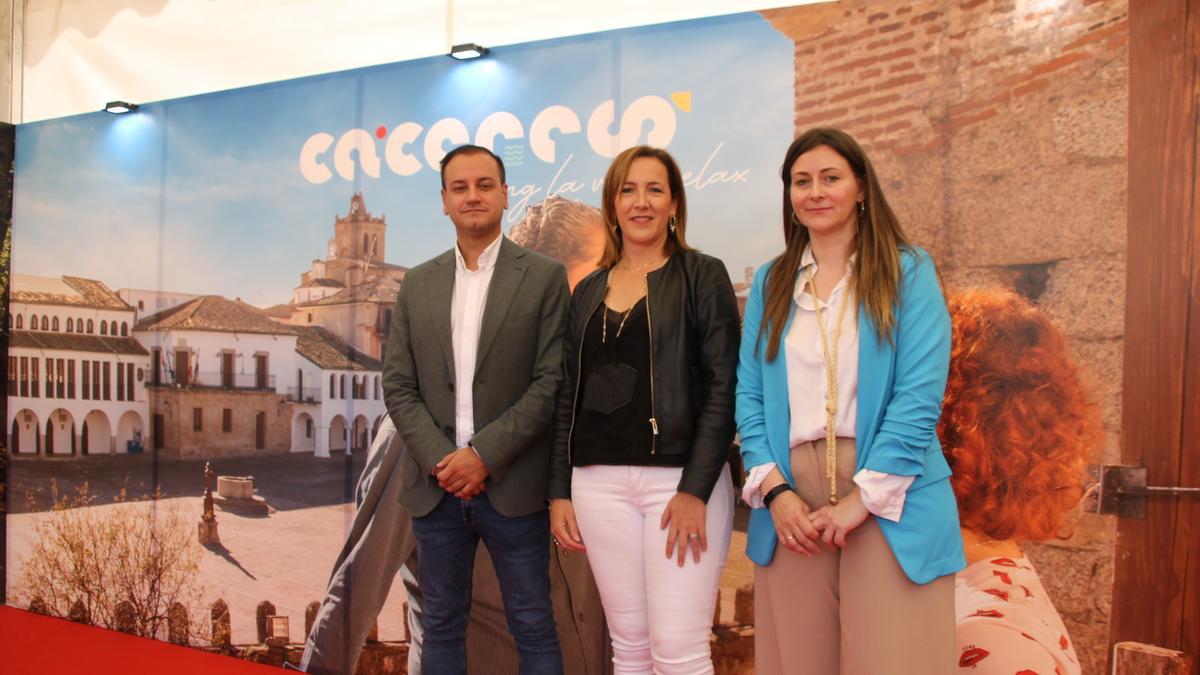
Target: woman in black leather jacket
(645,421)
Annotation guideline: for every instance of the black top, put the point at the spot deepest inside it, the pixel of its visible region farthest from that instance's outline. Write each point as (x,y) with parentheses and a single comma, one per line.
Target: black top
(694,315)
(613,422)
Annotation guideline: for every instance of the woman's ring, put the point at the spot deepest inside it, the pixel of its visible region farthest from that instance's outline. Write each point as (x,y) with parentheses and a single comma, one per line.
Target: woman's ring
(791,538)
(693,536)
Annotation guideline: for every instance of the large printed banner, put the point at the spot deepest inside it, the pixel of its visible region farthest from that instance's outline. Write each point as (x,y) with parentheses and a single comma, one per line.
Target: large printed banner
(204,287)
(209,280)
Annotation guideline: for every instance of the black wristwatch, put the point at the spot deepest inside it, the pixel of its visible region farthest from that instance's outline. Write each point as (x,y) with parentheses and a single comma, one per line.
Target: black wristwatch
(775,492)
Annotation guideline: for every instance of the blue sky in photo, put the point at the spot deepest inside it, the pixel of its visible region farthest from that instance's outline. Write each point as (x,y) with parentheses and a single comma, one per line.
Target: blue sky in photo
(206,194)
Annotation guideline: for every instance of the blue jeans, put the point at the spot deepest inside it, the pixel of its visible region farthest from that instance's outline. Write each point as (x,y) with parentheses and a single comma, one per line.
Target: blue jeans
(520,549)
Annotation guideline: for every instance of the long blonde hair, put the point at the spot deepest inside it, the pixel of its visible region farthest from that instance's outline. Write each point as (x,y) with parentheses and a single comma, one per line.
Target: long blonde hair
(878,243)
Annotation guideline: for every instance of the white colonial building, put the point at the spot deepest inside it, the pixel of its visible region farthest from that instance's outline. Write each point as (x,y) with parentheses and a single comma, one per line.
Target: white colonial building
(219,376)
(198,376)
(75,373)
(225,379)
(338,394)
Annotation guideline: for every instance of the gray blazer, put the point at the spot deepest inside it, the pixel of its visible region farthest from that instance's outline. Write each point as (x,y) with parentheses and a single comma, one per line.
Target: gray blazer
(518,370)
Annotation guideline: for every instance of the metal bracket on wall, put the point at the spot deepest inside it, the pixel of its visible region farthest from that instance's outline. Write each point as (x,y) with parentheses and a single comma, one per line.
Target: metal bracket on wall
(1122,491)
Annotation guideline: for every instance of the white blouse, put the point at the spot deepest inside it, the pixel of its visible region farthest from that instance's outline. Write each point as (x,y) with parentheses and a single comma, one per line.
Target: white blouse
(807,388)
(883,494)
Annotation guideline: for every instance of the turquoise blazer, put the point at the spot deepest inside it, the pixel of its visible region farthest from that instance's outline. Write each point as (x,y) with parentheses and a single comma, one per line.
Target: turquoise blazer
(900,390)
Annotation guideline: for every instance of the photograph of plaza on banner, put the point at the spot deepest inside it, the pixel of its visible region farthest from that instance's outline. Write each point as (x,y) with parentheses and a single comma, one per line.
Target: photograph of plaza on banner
(201,291)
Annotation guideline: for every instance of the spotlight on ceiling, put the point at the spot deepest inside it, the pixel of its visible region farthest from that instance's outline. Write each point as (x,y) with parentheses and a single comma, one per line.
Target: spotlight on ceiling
(120,107)
(468,51)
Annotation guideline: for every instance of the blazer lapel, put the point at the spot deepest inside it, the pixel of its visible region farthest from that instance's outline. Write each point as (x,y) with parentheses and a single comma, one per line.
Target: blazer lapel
(440,287)
(506,279)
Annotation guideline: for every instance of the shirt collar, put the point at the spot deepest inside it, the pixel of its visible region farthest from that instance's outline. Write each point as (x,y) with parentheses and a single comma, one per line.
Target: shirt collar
(807,260)
(487,258)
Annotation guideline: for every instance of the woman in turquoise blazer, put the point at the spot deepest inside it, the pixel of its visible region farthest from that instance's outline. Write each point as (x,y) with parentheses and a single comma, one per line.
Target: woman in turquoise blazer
(884,611)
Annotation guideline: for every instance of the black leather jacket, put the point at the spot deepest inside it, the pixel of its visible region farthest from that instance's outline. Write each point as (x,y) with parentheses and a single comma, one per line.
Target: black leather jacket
(694,333)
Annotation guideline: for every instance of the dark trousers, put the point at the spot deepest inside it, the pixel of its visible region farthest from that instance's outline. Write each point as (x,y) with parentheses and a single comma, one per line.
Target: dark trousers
(519,547)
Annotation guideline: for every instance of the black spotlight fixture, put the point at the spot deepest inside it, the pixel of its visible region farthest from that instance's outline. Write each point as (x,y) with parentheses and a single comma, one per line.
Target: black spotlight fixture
(468,51)
(120,107)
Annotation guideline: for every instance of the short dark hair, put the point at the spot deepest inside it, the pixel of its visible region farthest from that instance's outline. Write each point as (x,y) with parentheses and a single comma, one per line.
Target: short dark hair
(469,149)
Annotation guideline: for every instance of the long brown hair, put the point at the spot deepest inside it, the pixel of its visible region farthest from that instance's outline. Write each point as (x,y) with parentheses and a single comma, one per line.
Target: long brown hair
(877,243)
(618,171)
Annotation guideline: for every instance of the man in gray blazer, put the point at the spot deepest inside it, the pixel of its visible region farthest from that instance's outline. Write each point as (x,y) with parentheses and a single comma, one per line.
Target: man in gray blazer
(473,363)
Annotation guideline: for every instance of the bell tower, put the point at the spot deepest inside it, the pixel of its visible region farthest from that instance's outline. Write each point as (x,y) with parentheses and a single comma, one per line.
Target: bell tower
(358,235)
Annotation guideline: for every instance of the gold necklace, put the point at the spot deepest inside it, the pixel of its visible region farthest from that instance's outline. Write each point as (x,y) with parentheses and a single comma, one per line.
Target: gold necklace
(629,310)
(629,267)
(829,356)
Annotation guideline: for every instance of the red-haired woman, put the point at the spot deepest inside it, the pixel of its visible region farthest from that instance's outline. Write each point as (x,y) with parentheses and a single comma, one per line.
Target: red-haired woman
(1017,428)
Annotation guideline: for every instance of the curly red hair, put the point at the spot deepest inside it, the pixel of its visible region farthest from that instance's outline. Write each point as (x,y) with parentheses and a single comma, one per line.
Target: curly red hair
(1016,425)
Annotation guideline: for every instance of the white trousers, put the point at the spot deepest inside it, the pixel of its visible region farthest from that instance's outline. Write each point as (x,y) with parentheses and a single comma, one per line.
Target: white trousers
(659,614)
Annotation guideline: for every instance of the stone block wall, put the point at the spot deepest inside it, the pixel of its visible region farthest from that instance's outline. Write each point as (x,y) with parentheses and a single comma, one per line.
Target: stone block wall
(181,441)
(998,128)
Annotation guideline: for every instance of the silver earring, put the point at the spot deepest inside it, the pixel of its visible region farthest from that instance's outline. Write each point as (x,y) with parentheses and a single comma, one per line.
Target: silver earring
(862,207)
(671,223)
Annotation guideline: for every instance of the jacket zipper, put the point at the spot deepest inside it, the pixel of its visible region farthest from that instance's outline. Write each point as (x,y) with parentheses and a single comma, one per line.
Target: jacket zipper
(579,377)
(650,332)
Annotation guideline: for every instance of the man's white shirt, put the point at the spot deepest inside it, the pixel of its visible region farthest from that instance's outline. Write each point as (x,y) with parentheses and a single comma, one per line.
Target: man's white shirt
(466,314)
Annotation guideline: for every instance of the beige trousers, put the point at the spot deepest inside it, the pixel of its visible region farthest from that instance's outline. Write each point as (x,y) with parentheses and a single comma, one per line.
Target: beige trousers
(851,611)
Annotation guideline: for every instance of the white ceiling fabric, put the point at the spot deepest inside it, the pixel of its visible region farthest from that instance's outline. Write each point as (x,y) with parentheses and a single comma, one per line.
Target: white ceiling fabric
(79,54)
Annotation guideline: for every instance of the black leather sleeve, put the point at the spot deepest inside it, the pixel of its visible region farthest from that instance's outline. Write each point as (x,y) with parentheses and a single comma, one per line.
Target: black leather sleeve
(716,330)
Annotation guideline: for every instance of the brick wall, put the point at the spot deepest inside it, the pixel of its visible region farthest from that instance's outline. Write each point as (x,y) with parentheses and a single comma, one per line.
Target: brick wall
(998,128)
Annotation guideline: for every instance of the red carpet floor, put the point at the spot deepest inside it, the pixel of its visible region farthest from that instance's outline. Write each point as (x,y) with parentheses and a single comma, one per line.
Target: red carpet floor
(32,644)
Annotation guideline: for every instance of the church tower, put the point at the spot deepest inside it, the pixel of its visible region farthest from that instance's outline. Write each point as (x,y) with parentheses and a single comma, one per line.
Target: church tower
(351,292)
(358,235)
